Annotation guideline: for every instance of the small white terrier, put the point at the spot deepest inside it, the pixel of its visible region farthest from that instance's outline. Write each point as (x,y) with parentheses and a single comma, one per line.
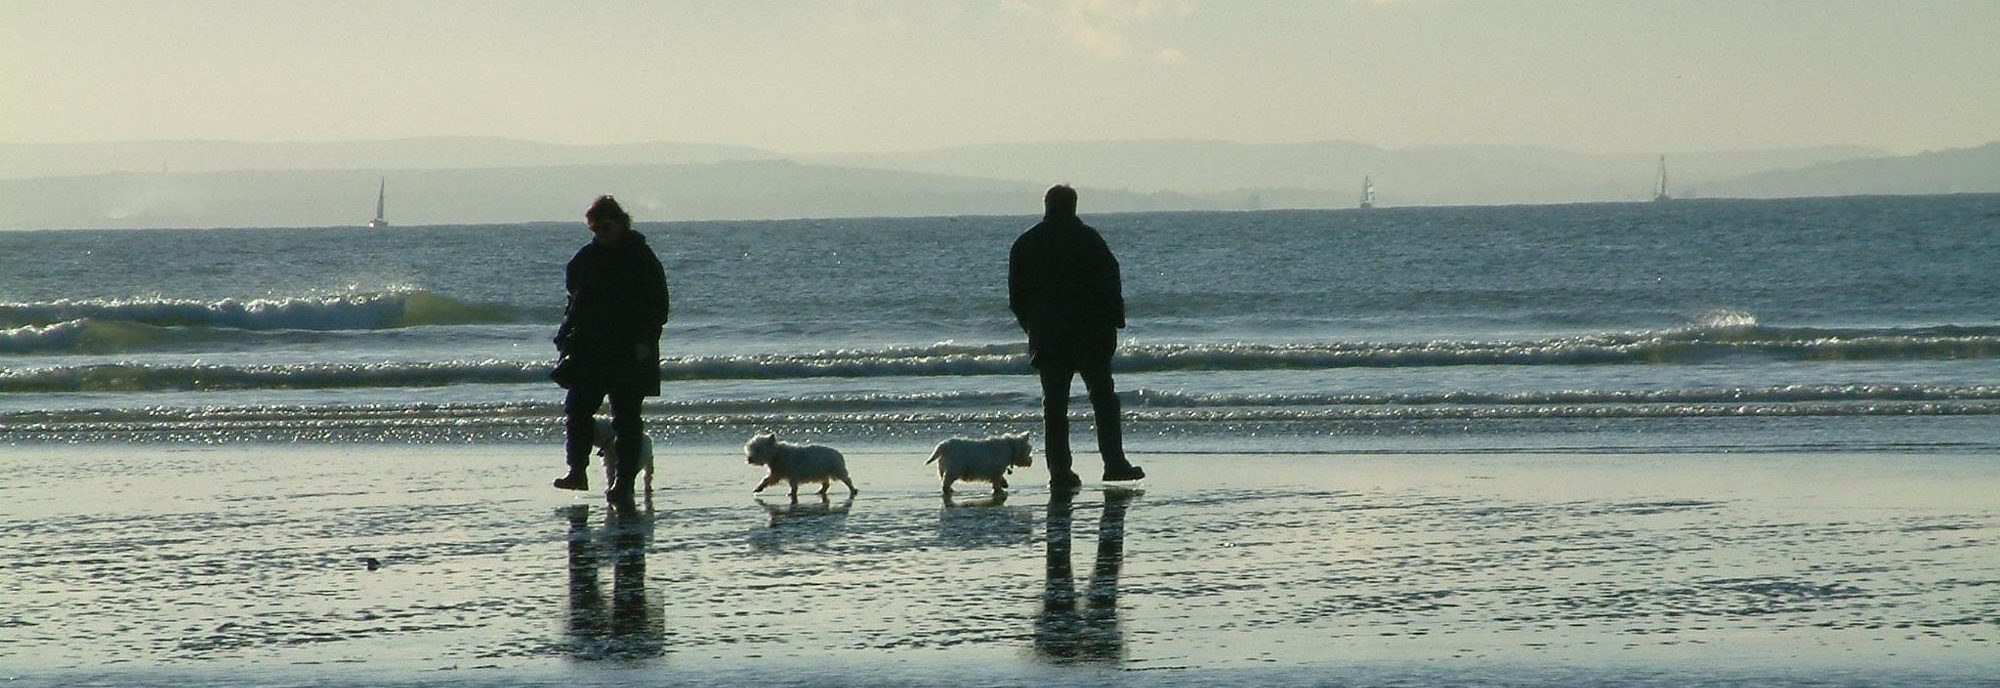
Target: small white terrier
(797,463)
(605,439)
(982,460)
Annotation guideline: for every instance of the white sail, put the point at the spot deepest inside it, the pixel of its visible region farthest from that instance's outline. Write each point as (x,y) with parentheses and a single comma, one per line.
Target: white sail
(381,198)
(1660,194)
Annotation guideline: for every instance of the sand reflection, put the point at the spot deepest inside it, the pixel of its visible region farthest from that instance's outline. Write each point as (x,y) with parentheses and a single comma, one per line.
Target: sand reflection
(628,625)
(1086,631)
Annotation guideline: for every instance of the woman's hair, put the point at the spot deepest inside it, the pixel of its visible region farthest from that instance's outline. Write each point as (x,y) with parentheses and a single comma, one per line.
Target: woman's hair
(607,208)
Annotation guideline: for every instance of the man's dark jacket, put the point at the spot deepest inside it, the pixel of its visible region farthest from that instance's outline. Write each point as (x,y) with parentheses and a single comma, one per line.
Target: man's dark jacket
(617,299)
(1062,283)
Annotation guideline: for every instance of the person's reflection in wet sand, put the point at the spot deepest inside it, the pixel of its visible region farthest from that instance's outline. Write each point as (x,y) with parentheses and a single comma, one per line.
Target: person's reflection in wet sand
(629,626)
(1065,634)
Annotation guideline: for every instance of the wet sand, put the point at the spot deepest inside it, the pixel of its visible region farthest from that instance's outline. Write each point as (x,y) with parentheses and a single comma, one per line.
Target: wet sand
(312,564)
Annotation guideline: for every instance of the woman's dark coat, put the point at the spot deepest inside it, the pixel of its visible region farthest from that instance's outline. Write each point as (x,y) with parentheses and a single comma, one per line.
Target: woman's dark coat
(617,299)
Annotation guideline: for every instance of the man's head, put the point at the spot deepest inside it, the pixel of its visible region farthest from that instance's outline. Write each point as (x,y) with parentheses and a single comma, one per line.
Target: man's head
(1059,203)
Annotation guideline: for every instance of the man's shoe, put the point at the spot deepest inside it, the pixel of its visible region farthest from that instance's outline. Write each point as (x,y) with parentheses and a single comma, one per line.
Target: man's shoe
(574,481)
(1065,482)
(1125,473)
(621,488)
(620,498)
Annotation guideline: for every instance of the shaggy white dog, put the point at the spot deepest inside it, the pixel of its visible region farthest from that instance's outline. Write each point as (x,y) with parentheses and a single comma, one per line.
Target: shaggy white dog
(982,460)
(605,439)
(797,463)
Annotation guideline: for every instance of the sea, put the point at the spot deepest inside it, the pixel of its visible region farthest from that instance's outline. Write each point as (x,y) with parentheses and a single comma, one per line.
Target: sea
(1828,324)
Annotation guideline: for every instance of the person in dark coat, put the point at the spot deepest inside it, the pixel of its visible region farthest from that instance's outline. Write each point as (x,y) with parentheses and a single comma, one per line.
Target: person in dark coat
(1063,286)
(610,335)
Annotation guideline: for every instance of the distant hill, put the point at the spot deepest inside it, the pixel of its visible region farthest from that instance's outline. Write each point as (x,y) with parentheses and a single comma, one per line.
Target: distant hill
(1328,173)
(472,180)
(1964,170)
(725,190)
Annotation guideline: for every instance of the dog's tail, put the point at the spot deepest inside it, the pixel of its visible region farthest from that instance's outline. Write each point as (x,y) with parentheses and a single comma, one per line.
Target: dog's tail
(934,455)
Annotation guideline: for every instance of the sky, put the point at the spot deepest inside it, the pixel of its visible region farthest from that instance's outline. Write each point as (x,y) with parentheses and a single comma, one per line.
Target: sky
(884,75)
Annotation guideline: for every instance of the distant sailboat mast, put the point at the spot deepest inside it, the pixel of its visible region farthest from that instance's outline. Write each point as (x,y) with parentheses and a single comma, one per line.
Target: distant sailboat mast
(1661,193)
(381,196)
(1367,192)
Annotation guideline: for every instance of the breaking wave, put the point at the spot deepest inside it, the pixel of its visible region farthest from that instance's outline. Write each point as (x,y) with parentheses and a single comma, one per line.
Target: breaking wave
(119,325)
(1682,346)
(934,411)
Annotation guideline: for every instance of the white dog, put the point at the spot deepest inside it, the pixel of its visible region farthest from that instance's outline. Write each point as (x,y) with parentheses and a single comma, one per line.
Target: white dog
(982,460)
(797,463)
(605,439)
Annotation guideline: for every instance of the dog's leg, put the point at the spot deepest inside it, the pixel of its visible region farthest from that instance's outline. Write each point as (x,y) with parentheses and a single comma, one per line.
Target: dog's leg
(850,486)
(947,484)
(824,485)
(769,480)
(999,483)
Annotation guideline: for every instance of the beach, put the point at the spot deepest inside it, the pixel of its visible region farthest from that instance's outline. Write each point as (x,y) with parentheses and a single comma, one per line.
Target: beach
(304,564)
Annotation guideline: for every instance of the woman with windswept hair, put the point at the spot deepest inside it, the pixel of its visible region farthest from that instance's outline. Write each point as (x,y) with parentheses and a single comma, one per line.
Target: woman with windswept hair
(610,343)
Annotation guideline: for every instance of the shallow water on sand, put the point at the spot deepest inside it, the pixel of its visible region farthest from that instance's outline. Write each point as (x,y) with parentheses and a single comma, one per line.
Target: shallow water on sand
(419,564)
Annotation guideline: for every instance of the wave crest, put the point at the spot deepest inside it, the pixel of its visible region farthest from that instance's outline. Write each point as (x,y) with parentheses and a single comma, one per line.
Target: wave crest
(356,311)
(953,359)
(99,326)
(335,421)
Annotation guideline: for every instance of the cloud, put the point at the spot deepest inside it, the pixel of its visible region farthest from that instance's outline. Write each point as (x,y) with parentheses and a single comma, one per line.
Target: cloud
(1095,37)
(1099,27)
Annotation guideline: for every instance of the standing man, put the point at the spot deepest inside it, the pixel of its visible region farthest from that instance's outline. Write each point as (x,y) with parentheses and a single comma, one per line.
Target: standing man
(611,332)
(1062,284)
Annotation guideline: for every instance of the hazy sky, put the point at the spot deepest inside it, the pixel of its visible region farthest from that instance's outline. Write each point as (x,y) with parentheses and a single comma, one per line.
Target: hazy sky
(819,76)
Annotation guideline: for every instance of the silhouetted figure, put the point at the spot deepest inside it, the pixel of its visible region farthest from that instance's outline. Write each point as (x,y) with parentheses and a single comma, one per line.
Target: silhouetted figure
(610,340)
(1065,634)
(1063,286)
(629,627)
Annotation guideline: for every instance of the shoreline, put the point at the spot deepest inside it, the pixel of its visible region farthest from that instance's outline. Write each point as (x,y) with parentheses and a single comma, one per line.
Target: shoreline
(198,561)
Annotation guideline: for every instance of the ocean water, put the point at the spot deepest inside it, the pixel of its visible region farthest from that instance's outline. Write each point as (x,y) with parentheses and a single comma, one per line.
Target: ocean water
(1695,326)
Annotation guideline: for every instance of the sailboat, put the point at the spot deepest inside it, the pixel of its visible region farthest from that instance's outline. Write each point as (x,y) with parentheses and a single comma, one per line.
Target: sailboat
(1367,192)
(381,195)
(1660,195)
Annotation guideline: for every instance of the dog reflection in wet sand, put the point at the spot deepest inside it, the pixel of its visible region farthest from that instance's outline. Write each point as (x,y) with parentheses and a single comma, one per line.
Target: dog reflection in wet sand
(807,523)
(1065,634)
(797,463)
(823,512)
(986,460)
